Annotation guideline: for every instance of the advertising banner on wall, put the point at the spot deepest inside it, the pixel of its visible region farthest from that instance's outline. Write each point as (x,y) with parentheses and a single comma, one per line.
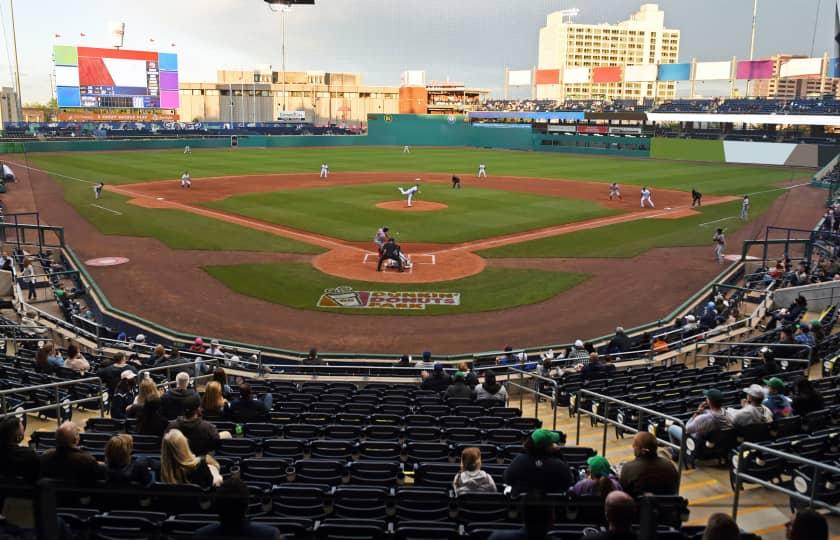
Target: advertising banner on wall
(801,67)
(519,78)
(592,130)
(713,71)
(640,73)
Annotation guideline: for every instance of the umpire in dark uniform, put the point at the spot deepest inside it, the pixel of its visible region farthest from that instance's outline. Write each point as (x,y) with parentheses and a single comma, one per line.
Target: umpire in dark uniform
(391,250)
(696,198)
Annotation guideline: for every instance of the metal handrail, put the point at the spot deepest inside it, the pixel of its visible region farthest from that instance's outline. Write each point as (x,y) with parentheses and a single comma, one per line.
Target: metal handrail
(730,344)
(194,365)
(537,394)
(811,500)
(626,404)
(101,397)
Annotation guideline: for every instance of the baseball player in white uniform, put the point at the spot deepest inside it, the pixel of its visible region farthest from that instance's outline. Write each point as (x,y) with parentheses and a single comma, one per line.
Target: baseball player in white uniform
(719,240)
(187,149)
(325,170)
(410,192)
(615,191)
(186,180)
(482,170)
(380,238)
(646,198)
(745,208)
(406,149)
(97,189)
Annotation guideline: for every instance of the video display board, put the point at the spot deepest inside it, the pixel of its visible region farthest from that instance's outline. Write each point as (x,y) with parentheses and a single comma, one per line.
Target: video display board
(90,77)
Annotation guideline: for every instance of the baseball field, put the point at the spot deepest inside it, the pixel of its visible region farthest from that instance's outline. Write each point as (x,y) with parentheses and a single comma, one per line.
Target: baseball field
(287,237)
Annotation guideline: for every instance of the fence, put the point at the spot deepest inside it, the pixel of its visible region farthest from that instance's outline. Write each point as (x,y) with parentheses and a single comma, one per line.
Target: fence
(59,403)
(729,357)
(535,391)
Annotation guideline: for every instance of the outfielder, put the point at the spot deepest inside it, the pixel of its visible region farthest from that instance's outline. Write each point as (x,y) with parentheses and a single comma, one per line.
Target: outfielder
(745,207)
(482,170)
(646,198)
(97,189)
(325,170)
(187,149)
(719,240)
(186,180)
(406,149)
(615,191)
(410,192)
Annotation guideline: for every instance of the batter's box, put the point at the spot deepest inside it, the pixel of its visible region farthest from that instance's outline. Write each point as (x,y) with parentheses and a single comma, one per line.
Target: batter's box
(417,258)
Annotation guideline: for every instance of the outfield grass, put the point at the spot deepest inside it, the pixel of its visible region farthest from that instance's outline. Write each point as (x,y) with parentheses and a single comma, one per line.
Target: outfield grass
(349,212)
(636,237)
(299,285)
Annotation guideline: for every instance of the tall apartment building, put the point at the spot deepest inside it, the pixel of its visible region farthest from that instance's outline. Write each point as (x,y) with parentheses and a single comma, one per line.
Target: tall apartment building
(791,88)
(642,39)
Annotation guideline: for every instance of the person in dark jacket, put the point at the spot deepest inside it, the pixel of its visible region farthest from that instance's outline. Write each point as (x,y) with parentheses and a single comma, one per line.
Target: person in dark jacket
(390,251)
(69,463)
(111,374)
(539,470)
(16,461)
(150,420)
(620,343)
(437,381)
(806,398)
(201,434)
(123,395)
(248,409)
(648,473)
(172,402)
(232,505)
(120,468)
(459,389)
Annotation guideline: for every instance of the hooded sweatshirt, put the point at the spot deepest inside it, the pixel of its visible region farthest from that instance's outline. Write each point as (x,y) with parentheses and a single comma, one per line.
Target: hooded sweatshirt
(467,481)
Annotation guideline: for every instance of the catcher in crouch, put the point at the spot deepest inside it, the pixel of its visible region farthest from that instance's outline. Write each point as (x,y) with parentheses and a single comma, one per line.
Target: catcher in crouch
(391,251)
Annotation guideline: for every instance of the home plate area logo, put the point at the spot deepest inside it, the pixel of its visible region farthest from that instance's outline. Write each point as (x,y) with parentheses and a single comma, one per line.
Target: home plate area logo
(347,297)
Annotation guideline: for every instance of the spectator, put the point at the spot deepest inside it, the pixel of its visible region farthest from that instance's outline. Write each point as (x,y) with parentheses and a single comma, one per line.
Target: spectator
(648,473)
(16,461)
(213,403)
(595,368)
(158,356)
(601,480)
(507,357)
(817,331)
(231,502)
(707,419)
(620,511)
(807,524)
(470,378)
(708,319)
(201,434)
(247,408)
(75,360)
(112,373)
(438,381)
(123,395)
(69,463)
(146,391)
(47,359)
(459,389)
(312,359)
(752,410)
(538,470)
(426,362)
(471,477)
(768,367)
(403,362)
(577,353)
(173,400)
(178,465)
(216,349)
(806,399)
(150,419)
(220,377)
(721,527)
(198,346)
(120,469)
(804,336)
(620,343)
(490,389)
(546,368)
(776,400)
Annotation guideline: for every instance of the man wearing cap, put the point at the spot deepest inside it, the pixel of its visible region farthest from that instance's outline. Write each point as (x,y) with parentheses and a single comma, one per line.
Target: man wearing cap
(538,469)
(708,418)
(778,403)
(459,388)
(201,434)
(426,362)
(648,473)
(752,410)
(437,381)
(577,353)
(601,479)
(804,336)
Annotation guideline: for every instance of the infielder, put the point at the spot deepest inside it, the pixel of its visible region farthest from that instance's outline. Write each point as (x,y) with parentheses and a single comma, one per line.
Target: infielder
(482,170)
(696,198)
(646,198)
(380,238)
(615,191)
(406,149)
(187,149)
(410,192)
(456,182)
(719,240)
(97,189)
(325,170)
(186,180)
(745,208)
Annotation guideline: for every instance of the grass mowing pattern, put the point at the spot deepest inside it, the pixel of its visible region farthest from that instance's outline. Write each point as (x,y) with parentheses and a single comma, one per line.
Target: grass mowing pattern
(636,237)
(349,212)
(299,285)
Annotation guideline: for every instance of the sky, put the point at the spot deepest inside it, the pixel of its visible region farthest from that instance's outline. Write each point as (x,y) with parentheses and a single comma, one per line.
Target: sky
(459,40)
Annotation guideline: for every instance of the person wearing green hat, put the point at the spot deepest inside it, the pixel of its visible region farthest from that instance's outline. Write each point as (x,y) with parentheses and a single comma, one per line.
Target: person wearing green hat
(778,403)
(601,479)
(459,388)
(539,469)
(708,418)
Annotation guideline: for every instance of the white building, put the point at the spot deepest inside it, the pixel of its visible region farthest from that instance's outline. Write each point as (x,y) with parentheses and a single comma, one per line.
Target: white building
(9,111)
(640,40)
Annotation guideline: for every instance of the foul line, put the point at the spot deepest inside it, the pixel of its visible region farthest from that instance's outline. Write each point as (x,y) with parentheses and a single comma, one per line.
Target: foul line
(781,188)
(52,173)
(107,209)
(715,221)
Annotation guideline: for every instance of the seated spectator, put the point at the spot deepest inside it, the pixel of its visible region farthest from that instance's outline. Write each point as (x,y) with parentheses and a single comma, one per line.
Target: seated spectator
(247,408)
(804,336)
(112,373)
(312,359)
(16,461)
(776,400)
(595,368)
(220,377)
(47,359)
(546,368)
(147,390)
(538,470)
(817,331)
(807,524)
(721,527)
(150,419)
(707,419)
(767,367)
(75,360)
(201,434)
(648,473)
(806,399)
(708,319)
(69,463)
(471,477)
(438,381)
(458,389)
(426,362)
(752,410)
(601,480)
(577,353)
(620,343)
(173,400)
(659,345)
(620,511)
(470,378)
(158,356)
(120,468)
(231,502)
(789,315)
(213,403)
(507,358)
(178,465)
(403,362)
(124,394)
(198,346)
(490,389)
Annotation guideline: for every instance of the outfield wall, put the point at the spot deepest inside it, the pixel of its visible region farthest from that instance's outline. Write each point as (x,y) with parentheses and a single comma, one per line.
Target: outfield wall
(746,152)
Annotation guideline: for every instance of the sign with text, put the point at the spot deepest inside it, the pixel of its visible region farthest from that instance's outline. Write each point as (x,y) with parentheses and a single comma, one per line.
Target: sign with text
(347,297)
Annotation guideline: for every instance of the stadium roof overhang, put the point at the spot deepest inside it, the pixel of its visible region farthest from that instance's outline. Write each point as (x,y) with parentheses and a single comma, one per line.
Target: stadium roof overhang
(766,119)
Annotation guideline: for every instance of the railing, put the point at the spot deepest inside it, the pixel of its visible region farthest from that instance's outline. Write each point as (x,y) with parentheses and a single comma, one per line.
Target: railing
(196,367)
(607,401)
(59,404)
(811,499)
(729,356)
(535,391)
(21,235)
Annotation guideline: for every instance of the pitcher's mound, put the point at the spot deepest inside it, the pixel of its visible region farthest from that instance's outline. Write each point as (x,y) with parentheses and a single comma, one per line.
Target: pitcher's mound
(416,206)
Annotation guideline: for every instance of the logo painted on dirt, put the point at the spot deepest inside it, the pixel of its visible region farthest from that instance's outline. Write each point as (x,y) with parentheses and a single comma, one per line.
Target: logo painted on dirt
(347,297)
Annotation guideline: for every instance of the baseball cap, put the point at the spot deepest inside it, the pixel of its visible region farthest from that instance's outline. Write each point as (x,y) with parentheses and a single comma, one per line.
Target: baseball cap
(215,343)
(140,338)
(191,404)
(754,390)
(544,437)
(805,327)
(816,323)
(775,383)
(438,367)
(599,466)
(199,341)
(459,375)
(713,394)
(127,374)
(579,343)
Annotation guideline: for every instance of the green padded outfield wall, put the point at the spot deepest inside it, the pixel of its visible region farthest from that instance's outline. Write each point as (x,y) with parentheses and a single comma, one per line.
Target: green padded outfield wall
(687,149)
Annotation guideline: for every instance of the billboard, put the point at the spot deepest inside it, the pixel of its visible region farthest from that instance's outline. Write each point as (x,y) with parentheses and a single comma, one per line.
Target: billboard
(94,78)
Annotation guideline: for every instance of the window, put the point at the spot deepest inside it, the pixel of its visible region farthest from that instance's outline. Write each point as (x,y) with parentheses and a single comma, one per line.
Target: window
(211,92)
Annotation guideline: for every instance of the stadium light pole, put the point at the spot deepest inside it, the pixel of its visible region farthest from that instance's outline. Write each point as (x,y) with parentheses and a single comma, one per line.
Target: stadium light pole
(19,101)
(282,8)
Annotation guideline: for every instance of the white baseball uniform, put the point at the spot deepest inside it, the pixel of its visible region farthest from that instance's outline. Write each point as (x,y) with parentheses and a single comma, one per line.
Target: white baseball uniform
(720,243)
(380,239)
(410,193)
(406,149)
(614,191)
(187,149)
(646,198)
(186,181)
(745,208)
(482,171)
(325,170)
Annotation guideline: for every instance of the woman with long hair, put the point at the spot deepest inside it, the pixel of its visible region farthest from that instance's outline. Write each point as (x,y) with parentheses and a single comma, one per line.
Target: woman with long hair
(471,478)
(213,403)
(75,360)
(220,377)
(47,359)
(178,465)
(490,389)
(121,469)
(147,391)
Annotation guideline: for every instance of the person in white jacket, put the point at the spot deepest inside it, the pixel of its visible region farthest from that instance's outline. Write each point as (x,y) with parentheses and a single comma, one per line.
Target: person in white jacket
(471,478)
